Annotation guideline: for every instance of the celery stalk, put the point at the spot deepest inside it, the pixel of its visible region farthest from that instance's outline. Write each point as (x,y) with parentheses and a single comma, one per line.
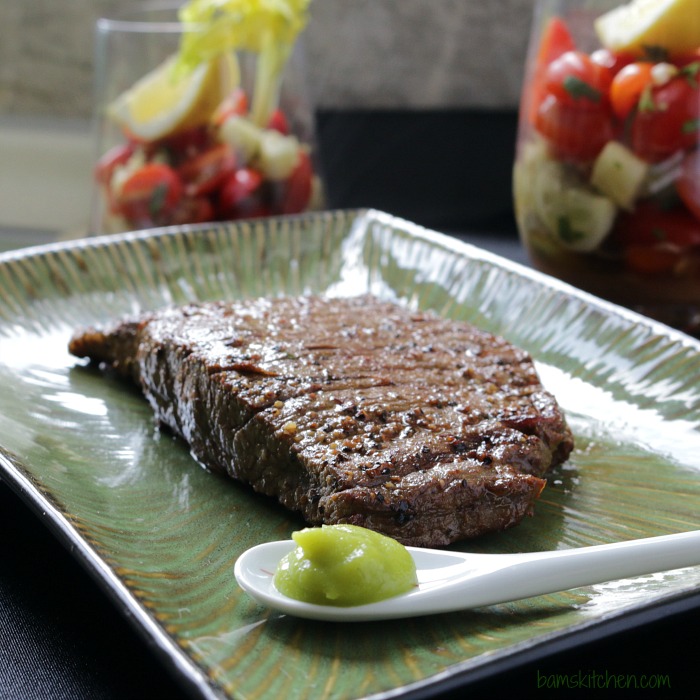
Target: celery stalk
(268,28)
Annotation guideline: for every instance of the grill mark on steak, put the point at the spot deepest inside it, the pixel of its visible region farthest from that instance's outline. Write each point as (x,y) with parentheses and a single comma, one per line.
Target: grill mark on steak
(349,410)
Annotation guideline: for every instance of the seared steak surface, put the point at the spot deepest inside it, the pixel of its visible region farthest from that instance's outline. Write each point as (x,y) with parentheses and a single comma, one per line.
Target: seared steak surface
(350,410)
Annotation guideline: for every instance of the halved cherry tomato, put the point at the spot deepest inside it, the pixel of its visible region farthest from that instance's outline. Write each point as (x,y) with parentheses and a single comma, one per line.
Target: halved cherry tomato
(556,40)
(111,160)
(278,122)
(234,104)
(297,188)
(577,80)
(205,172)
(688,183)
(574,134)
(241,195)
(149,194)
(667,120)
(627,87)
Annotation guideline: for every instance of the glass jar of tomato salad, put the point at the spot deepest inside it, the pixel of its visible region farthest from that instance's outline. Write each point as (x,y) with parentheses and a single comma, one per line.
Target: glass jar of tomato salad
(203,115)
(607,170)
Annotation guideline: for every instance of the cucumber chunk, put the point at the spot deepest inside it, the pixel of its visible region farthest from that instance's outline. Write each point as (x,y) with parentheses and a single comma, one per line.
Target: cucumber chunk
(279,155)
(577,217)
(619,174)
(244,136)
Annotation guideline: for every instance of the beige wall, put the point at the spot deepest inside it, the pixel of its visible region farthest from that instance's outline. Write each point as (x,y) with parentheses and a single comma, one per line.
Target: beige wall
(359,53)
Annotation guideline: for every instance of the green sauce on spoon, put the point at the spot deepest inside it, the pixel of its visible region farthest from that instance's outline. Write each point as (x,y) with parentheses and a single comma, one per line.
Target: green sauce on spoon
(345,565)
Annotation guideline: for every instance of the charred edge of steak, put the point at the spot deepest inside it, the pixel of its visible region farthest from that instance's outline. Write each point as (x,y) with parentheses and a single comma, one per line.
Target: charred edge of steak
(423,429)
(437,509)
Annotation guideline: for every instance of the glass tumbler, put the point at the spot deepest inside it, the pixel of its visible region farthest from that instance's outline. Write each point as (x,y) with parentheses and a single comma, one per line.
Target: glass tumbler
(178,148)
(607,171)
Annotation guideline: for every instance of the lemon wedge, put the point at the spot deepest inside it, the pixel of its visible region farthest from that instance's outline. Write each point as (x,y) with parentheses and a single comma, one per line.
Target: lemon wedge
(673,25)
(165,101)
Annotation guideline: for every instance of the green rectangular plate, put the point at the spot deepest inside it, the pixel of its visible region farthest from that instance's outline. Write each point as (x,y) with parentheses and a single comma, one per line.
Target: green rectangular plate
(162,534)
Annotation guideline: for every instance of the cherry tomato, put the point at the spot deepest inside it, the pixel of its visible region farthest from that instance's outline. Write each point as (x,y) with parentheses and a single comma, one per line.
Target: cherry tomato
(206,171)
(577,80)
(686,59)
(234,104)
(667,120)
(278,122)
(688,183)
(297,188)
(656,260)
(110,161)
(192,210)
(556,40)
(182,146)
(149,194)
(241,195)
(615,62)
(574,134)
(653,239)
(651,225)
(627,87)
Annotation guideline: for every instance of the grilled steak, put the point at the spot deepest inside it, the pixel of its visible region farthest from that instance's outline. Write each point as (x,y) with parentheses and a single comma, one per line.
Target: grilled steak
(349,410)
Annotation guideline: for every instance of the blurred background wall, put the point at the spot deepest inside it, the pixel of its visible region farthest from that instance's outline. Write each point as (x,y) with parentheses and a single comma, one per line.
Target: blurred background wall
(372,53)
(394,56)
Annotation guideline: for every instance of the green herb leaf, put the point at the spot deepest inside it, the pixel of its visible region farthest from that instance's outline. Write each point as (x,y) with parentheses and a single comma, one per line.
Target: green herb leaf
(646,101)
(578,88)
(567,232)
(691,126)
(690,73)
(157,201)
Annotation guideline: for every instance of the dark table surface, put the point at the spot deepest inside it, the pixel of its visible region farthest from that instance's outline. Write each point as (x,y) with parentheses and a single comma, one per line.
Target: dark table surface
(62,637)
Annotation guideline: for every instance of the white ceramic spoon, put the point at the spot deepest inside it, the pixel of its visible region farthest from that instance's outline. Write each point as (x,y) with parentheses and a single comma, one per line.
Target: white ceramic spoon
(450,581)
